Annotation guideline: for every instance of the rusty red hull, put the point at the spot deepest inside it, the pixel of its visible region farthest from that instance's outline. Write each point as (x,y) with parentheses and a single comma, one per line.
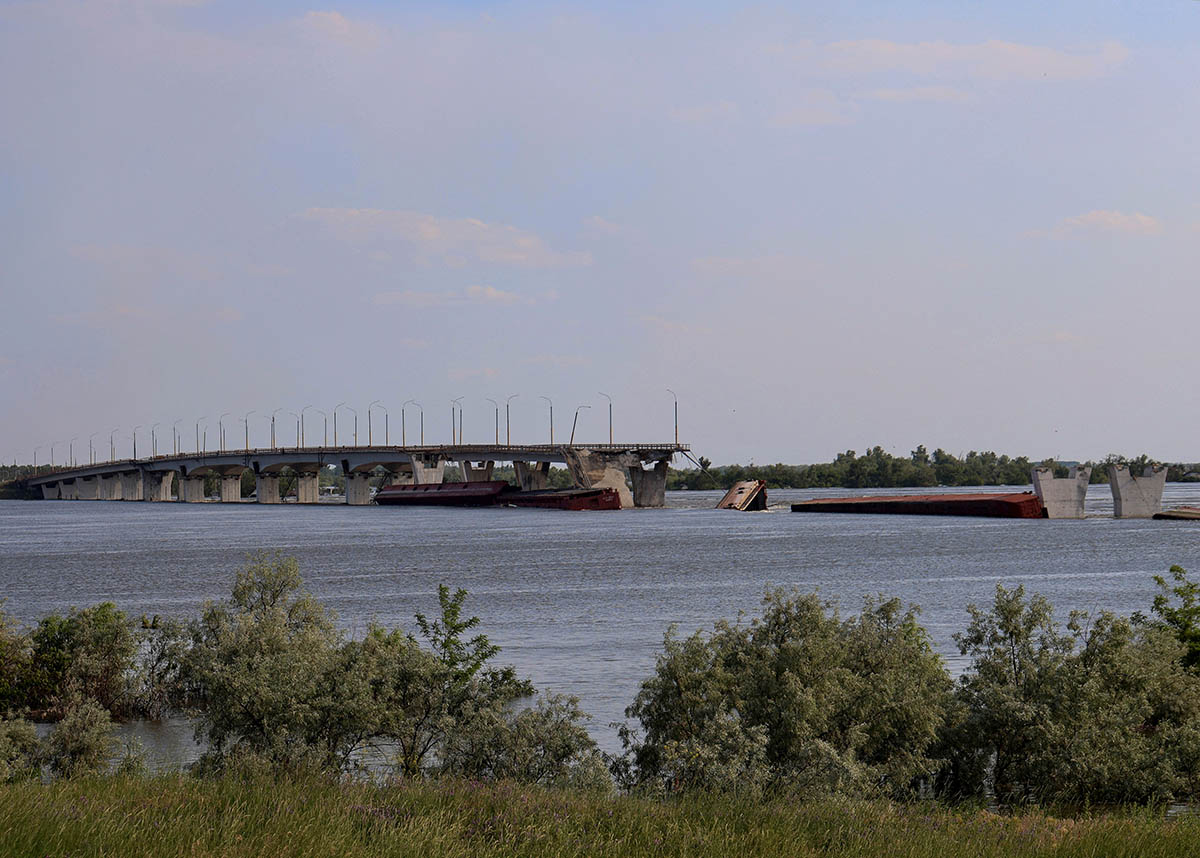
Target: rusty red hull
(442,494)
(572,499)
(1017,505)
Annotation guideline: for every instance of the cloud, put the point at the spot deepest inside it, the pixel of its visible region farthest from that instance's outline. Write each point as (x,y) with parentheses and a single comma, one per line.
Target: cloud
(814,107)
(710,112)
(1103,220)
(599,224)
(991,60)
(918,93)
(471,295)
(336,27)
(450,238)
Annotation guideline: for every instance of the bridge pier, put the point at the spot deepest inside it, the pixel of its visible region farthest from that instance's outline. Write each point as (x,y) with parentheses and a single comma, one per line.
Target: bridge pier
(1134,496)
(49,491)
(358,489)
(592,470)
(87,488)
(231,488)
(477,474)
(532,476)
(267,488)
(400,477)
(191,489)
(131,486)
(308,487)
(1062,497)
(156,485)
(650,485)
(67,490)
(428,469)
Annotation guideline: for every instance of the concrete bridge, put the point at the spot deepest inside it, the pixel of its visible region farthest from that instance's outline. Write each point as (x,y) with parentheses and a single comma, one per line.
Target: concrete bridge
(152,479)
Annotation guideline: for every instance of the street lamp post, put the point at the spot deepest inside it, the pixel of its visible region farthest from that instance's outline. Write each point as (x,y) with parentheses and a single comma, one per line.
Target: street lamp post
(507,423)
(403,430)
(246,423)
(297,416)
(135,428)
(35,449)
(154,440)
(303,438)
(198,419)
(335,409)
(326,416)
(71,451)
(370,422)
(112,446)
(91,449)
(52,443)
(497,404)
(221,431)
(273,413)
(676,398)
(610,432)
(551,401)
(456,403)
(575,421)
(175,436)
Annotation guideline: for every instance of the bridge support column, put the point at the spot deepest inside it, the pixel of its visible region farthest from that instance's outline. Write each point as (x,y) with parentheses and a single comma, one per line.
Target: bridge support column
(231,488)
(68,490)
(191,489)
(1062,496)
(308,488)
(650,486)
(426,469)
(1137,497)
(267,488)
(532,476)
(600,471)
(131,486)
(477,474)
(109,486)
(358,489)
(399,478)
(49,491)
(87,488)
(156,485)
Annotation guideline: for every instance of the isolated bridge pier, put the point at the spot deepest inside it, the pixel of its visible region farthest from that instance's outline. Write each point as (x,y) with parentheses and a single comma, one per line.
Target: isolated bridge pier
(87,488)
(650,485)
(156,485)
(308,487)
(480,473)
(1062,497)
(191,488)
(428,469)
(532,476)
(1134,496)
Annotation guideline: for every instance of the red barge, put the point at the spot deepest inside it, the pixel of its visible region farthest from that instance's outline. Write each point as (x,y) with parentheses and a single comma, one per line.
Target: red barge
(1016,505)
(496,493)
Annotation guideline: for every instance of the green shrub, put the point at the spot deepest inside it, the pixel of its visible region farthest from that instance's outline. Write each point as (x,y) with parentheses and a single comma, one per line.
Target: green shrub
(82,741)
(798,701)
(19,752)
(88,653)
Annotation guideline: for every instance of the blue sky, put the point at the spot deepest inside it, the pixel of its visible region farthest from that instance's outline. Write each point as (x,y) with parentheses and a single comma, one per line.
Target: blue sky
(972,226)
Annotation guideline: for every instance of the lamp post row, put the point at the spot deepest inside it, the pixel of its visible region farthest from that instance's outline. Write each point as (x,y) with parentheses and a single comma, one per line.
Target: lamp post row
(456,427)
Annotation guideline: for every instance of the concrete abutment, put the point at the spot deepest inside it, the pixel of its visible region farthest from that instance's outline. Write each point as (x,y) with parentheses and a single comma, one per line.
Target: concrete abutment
(1134,496)
(1062,497)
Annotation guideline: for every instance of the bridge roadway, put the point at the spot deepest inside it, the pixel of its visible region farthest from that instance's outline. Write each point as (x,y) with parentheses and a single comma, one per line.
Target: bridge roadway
(152,479)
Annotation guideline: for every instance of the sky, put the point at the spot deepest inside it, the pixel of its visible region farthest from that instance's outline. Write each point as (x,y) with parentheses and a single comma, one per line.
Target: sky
(821,226)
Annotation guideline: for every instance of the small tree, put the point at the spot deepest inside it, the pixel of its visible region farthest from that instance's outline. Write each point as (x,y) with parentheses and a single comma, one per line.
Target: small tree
(1177,607)
(18,750)
(82,742)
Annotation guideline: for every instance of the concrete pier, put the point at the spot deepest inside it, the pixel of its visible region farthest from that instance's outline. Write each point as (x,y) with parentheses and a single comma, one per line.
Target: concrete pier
(358,489)
(533,476)
(49,491)
(109,487)
(191,489)
(131,486)
(88,488)
(67,490)
(267,488)
(1134,496)
(650,485)
(426,469)
(1062,497)
(591,470)
(308,487)
(473,473)
(156,485)
(231,488)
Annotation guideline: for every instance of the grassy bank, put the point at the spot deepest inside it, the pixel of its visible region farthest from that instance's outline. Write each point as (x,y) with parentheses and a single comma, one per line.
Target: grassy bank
(176,815)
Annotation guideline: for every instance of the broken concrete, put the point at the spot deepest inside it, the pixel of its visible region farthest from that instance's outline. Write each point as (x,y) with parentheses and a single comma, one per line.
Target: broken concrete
(1134,496)
(1062,497)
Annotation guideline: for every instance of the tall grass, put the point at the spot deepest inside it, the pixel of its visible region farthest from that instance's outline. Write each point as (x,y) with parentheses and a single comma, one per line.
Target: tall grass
(177,815)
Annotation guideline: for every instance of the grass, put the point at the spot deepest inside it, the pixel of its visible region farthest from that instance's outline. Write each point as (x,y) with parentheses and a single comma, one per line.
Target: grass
(178,815)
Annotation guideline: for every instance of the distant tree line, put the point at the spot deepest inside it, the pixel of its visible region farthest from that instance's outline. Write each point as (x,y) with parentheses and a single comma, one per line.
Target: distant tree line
(879,469)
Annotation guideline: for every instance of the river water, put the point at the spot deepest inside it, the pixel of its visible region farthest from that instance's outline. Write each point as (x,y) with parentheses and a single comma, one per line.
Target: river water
(578,601)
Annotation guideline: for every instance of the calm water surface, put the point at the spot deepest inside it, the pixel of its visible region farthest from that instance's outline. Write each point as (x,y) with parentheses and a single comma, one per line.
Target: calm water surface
(579,601)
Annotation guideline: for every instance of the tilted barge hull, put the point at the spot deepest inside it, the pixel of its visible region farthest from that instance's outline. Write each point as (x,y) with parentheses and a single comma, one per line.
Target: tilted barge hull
(571,499)
(1018,505)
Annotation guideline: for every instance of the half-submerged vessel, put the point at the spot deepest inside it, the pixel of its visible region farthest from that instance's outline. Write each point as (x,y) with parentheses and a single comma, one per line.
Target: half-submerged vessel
(496,493)
(1015,505)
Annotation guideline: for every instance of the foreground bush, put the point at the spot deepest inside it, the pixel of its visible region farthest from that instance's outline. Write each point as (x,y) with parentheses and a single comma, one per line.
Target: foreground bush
(235,818)
(798,701)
